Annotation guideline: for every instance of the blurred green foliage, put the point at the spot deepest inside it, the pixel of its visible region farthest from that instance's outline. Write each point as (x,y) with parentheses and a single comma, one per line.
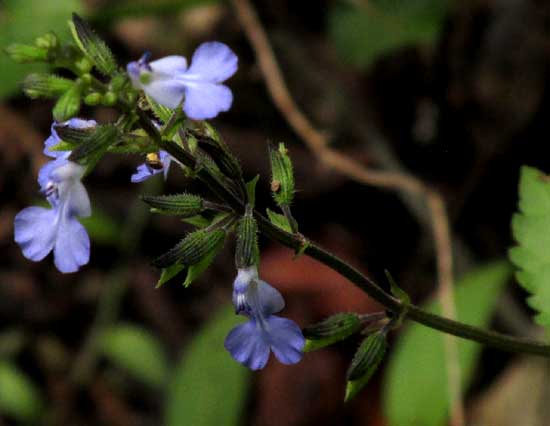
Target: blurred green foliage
(415,386)
(22,21)
(137,351)
(19,397)
(362,30)
(209,388)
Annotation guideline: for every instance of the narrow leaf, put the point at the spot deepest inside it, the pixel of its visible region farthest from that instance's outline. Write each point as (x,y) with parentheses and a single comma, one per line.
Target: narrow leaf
(196,270)
(279,220)
(168,273)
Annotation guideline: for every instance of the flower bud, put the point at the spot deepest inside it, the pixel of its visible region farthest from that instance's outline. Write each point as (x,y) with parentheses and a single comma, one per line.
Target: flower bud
(45,85)
(24,53)
(192,249)
(47,41)
(93,99)
(282,182)
(365,362)
(68,105)
(185,205)
(92,46)
(247,252)
(331,330)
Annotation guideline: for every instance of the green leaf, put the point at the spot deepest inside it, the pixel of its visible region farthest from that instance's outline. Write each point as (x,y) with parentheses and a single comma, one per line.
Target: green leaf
(415,385)
(199,221)
(161,112)
(19,397)
(209,388)
(196,270)
(278,220)
(22,21)
(361,33)
(251,190)
(396,290)
(168,273)
(531,229)
(138,352)
(92,46)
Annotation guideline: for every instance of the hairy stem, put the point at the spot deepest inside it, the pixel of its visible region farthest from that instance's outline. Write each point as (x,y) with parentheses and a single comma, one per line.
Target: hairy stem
(368,285)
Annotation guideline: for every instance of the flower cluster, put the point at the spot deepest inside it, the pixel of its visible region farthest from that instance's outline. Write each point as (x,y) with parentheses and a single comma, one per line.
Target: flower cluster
(250,343)
(200,92)
(40,230)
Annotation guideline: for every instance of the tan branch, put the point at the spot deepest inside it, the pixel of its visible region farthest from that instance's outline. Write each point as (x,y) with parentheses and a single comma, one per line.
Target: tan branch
(353,169)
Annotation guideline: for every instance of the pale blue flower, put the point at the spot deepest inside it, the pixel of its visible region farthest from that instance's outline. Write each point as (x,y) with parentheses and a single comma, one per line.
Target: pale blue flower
(40,230)
(250,343)
(61,157)
(144,171)
(170,82)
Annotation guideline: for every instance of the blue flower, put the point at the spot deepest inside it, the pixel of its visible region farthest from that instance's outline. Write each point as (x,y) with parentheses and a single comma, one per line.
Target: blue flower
(169,81)
(54,139)
(61,157)
(250,343)
(145,171)
(40,230)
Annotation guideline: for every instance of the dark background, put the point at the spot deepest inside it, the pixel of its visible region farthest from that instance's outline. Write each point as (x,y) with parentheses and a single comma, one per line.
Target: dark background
(462,108)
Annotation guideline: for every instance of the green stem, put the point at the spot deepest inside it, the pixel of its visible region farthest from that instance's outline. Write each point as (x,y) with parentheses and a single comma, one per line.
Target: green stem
(369,286)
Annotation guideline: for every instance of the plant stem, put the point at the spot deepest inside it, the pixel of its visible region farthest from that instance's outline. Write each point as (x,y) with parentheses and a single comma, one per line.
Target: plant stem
(368,285)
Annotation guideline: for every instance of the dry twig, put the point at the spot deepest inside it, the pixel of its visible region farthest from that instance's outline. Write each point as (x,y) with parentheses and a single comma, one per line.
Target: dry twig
(351,168)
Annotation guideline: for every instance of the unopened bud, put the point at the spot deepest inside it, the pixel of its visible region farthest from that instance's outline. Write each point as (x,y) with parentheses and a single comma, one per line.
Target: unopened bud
(331,330)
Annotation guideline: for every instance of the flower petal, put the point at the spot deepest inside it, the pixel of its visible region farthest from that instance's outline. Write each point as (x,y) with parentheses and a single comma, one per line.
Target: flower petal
(72,246)
(165,91)
(247,344)
(169,65)
(212,62)
(44,174)
(34,231)
(271,300)
(286,339)
(78,202)
(206,100)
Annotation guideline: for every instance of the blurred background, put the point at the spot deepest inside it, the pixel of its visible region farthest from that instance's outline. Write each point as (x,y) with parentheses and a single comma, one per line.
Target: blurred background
(454,93)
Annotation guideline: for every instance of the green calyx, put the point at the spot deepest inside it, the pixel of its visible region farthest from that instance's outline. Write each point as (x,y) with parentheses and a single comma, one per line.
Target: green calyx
(335,328)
